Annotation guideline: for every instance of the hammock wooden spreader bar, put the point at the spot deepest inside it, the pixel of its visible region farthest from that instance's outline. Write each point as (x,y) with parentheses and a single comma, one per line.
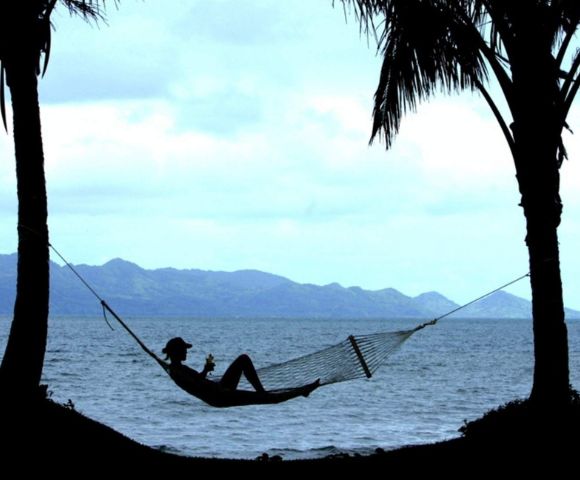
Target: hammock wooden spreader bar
(360,357)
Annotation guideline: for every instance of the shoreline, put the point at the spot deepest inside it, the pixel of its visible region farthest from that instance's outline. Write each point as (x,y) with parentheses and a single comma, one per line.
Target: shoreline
(60,439)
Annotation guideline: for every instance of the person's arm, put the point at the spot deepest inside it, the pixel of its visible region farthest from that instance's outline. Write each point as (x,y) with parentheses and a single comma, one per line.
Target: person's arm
(208,367)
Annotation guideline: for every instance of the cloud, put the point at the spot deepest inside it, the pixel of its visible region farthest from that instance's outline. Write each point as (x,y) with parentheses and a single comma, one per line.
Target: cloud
(151,51)
(308,162)
(132,55)
(228,22)
(226,135)
(222,113)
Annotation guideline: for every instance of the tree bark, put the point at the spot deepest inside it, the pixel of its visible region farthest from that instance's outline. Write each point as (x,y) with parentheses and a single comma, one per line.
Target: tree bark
(21,367)
(551,370)
(539,182)
(537,132)
(542,208)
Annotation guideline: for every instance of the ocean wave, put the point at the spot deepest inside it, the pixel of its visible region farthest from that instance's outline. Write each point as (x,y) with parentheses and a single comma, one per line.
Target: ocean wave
(318,452)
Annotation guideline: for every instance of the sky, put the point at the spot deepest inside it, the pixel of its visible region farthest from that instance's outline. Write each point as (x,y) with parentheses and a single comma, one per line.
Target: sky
(231,135)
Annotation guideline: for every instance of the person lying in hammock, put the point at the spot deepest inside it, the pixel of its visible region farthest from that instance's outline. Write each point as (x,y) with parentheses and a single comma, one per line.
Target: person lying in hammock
(223,392)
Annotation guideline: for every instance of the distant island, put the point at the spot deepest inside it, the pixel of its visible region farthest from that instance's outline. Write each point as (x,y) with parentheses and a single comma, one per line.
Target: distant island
(168,292)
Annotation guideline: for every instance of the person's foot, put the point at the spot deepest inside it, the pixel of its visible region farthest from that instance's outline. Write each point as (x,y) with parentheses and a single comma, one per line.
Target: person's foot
(308,389)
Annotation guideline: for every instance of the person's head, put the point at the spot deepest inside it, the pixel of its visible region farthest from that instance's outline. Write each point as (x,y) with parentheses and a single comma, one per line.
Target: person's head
(176,349)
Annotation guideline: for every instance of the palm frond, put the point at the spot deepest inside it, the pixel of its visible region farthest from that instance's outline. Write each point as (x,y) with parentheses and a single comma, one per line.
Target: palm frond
(2,98)
(88,9)
(34,16)
(507,133)
(573,88)
(430,45)
(425,48)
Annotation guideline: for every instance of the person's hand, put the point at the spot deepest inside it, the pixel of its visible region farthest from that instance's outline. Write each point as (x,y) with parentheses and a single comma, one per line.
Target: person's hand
(209,363)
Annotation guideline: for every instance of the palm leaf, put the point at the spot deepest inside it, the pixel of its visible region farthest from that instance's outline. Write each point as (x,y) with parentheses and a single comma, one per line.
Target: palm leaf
(426,47)
(2,98)
(36,14)
(447,45)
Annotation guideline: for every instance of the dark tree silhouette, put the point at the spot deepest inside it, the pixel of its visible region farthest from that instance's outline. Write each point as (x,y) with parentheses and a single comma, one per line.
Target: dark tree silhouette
(25,33)
(455,45)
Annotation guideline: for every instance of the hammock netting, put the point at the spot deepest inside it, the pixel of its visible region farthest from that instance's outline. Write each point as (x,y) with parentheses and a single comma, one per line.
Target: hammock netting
(356,357)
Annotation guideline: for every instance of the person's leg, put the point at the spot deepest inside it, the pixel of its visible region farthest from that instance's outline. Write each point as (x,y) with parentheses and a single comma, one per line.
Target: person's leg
(241,365)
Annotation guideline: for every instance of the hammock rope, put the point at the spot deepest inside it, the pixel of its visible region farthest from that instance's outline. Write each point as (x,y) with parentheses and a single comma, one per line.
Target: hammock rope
(358,356)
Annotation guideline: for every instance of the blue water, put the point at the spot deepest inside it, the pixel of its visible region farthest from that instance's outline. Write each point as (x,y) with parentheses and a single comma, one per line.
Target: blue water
(442,376)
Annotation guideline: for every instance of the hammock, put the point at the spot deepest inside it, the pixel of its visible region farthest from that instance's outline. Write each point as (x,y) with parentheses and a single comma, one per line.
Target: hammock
(356,357)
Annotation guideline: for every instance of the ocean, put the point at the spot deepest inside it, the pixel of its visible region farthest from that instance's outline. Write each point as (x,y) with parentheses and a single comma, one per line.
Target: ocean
(441,377)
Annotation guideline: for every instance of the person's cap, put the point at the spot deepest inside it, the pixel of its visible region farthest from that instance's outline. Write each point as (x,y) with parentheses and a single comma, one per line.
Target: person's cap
(174,343)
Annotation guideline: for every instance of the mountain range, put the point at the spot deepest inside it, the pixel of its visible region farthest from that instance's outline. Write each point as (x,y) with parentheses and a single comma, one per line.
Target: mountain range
(135,291)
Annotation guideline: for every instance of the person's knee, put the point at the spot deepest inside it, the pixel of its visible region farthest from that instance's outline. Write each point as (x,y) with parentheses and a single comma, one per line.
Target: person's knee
(245,358)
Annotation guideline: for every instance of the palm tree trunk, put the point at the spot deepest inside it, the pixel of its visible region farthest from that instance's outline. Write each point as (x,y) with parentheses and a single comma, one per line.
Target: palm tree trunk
(551,371)
(538,177)
(537,133)
(21,367)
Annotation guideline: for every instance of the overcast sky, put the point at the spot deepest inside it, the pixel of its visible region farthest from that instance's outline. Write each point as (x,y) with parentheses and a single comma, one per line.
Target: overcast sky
(229,135)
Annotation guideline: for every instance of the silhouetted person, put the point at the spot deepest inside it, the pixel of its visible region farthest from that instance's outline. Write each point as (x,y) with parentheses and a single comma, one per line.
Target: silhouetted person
(224,392)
